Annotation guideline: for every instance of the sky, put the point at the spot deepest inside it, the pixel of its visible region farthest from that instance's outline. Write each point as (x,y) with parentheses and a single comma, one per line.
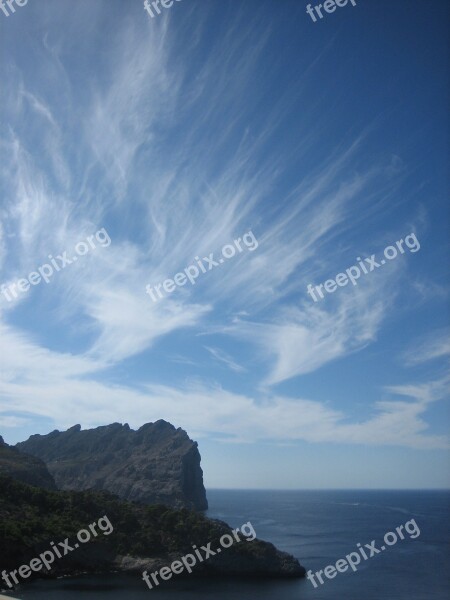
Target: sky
(141,146)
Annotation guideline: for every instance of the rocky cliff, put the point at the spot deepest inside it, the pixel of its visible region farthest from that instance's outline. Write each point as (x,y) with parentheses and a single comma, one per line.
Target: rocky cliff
(24,467)
(157,464)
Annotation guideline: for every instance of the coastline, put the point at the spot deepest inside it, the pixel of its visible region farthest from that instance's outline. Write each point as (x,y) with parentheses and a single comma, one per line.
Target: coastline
(133,565)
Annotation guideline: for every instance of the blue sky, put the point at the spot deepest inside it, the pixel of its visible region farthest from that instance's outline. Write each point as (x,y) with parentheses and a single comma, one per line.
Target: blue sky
(181,133)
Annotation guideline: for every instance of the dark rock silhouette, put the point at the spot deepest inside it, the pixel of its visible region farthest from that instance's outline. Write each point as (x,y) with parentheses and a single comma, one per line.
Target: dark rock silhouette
(24,467)
(157,464)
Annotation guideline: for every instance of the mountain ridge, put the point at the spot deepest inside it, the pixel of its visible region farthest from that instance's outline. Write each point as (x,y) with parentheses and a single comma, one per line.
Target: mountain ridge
(155,464)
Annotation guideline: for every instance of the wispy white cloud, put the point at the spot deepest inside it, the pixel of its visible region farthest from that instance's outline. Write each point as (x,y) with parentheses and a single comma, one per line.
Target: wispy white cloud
(232,417)
(173,168)
(12,422)
(222,356)
(301,339)
(433,345)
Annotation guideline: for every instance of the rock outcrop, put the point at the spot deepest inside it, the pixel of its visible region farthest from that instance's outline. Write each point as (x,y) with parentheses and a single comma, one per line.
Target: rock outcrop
(157,464)
(24,467)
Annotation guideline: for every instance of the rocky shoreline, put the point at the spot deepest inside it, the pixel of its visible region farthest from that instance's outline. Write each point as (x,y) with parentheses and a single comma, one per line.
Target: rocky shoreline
(143,538)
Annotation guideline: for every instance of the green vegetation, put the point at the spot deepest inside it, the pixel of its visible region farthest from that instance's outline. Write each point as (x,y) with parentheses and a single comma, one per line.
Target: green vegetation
(31,517)
(24,467)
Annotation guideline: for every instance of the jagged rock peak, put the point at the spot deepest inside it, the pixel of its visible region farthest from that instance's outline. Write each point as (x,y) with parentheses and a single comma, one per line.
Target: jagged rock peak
(155,464)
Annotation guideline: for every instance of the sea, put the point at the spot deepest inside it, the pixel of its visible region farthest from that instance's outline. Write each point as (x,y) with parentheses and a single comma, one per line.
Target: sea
(319,528)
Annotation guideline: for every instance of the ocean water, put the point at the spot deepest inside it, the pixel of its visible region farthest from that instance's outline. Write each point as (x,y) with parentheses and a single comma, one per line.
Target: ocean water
(318,527)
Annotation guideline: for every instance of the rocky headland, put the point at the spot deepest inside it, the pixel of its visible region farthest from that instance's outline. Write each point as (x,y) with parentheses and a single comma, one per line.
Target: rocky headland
(148,534)
(143,537)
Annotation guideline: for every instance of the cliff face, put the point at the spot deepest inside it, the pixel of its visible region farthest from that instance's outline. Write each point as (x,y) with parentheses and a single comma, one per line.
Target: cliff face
(157,464)
(23,467)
